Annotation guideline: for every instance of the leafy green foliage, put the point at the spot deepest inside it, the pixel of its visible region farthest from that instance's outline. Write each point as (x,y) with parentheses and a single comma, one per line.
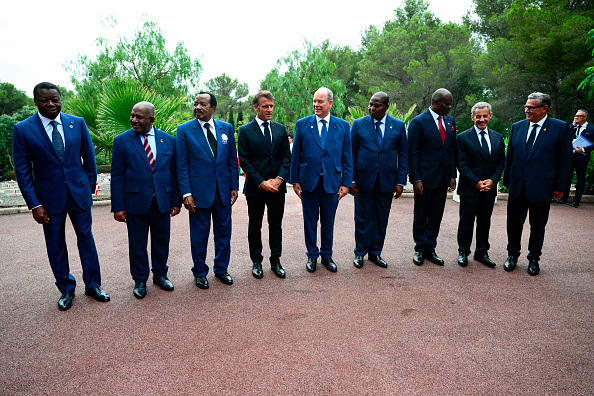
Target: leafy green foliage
(358,112)
(229,93)
(143,58)
(12,99)
(296,78)
(588,84)
(6,124)
(110,115)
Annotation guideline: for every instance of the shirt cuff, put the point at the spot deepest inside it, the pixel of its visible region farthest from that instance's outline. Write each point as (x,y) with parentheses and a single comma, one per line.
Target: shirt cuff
(187,195)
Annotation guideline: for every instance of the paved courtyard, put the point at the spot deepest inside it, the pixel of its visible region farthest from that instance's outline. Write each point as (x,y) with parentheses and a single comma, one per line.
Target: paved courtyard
(403,330)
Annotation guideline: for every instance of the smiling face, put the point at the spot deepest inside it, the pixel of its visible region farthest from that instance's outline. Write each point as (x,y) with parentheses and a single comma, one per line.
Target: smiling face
(321,104)
(141,119)
(48,103)
(264,108)
(533,111)
(202,108)
(481,118)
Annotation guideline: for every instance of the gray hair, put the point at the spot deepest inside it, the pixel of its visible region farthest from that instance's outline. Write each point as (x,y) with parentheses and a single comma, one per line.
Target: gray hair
(329,94)
(543,99)
(583,111)
(481,105)
(439,94)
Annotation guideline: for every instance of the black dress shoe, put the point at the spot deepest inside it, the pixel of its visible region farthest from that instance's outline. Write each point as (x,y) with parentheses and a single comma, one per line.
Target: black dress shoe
(311,265)
(575,204)
(278,270)
(533,268)
(434,258)
(377,260)
(163,283)
(418,258)
(462,260)
(139,290)
(202,282)
(358,261)
(97,293)
(510,263)
(485,260)
(257,270)
(65,302)
(225,278)
(329,264)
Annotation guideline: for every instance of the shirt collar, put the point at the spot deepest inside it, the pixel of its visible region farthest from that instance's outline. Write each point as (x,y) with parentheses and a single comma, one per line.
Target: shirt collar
(209,122)
(478,131)
(45,121)
(539,123)
(383,120)
(434,114)
(327,118)
(260,122)
(151,132)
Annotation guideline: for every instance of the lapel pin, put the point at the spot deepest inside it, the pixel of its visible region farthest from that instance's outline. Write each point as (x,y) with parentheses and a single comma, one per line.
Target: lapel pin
(71,126)
(311,127)
(161,140)
(545,129)
(390,126)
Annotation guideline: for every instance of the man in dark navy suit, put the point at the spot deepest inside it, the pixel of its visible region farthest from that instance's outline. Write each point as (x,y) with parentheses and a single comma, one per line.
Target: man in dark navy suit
(144,194)
(321,174)
(208,179)
(54,162)
(481,159)
(265,157)
(536,170)
(380,166)
(432,171)
(581,157)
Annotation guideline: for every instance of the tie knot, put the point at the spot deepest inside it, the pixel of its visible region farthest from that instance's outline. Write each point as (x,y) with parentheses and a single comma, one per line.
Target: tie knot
(323,121)
(378,123)
(265,123)
(483,133)
(54,123)
(207,125)
(146,135)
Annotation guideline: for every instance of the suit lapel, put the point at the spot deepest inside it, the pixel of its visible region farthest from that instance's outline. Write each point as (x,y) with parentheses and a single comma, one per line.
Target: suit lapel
(260,135)
(219,129)
(541,135)
(135,138)
(159,142)
(67,127)
(477,143)
(39,132)
(431,126)
(202,139)
(370,123)
(332,129)
(313,128)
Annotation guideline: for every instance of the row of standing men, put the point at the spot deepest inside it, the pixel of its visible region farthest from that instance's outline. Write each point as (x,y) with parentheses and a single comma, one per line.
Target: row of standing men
(153,174)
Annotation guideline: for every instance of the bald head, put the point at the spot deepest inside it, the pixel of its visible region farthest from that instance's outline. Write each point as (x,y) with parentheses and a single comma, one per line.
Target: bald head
(378,105)
(441,101)
(142,117)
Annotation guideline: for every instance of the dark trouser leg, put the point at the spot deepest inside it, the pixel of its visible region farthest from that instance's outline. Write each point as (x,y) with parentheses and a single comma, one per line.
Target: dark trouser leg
(565,196)
(138,228)
(382,203)
(517,210)
(328,206)
(255,214)
(580,174)
(468,209)
(276,208)
(160,224)
(199,231)
(483,224)
(221,226)
(57,252)
(363,222)
(538,218)
(311,212)
(436,204)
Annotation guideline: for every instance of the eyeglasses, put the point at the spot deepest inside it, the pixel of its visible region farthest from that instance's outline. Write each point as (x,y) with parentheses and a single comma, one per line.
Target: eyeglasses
(531,108)
(578,116)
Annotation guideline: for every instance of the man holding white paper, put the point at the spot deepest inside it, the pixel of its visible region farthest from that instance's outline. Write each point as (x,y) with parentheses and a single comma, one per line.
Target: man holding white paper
(583,137)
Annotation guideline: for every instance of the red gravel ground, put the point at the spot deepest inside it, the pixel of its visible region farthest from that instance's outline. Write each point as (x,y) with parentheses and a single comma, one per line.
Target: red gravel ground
(401,330)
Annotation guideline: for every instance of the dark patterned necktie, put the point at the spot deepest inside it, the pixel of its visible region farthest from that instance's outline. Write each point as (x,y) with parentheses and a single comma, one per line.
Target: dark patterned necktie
(484,145)
(531,138)
(212,139)
(57,141)
(378,131)
(149,151)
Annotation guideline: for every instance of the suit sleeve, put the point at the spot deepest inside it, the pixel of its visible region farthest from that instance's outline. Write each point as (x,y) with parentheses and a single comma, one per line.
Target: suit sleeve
(463,167)
(347,157)
(564,158)
(243,149)
(500,164)
(414,145)
(23,167)
(283,171)
(453,153)
(402,158)
(181,151)
(296,155)
(118,187)
(355,147)
(233,166)
(88,156)
(509,158)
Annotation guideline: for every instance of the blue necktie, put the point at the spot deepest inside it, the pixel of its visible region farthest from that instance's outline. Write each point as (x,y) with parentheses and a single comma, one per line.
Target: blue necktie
(267,137)
(378,131)
(57,141)
(324,133)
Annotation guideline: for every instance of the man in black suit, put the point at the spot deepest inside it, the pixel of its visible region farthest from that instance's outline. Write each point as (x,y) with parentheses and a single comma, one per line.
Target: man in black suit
(481,159)
(432,171)
(265,157)
(537,169)
(581,157)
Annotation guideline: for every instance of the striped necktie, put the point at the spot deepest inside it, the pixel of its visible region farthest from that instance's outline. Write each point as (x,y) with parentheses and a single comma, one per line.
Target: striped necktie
(149,152)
